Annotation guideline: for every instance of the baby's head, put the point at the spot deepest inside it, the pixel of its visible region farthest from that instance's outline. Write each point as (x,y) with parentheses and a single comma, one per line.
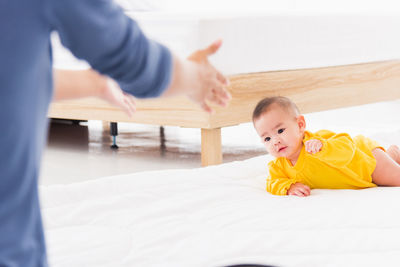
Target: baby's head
(280,125)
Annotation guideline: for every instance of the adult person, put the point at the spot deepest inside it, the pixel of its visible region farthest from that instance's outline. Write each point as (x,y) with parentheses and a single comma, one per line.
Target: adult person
(99,32)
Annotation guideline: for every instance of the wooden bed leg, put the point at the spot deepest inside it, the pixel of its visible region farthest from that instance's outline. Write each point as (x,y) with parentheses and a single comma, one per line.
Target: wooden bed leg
(211,149)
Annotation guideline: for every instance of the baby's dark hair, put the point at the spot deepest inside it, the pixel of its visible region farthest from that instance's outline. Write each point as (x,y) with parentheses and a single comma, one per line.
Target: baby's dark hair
(266,104)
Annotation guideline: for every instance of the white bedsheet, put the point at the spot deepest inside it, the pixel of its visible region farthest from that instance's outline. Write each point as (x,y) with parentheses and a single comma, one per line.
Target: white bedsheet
(269,41)
(216,216)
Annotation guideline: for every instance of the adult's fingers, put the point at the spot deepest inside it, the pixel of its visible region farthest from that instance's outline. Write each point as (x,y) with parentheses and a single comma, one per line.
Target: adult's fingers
(202,54)
(216,98)
(130,105)
(223,92)
(206,107)
(212,96)
(220,91)
(132,101)
(128,110)
(211,49)
(222,78)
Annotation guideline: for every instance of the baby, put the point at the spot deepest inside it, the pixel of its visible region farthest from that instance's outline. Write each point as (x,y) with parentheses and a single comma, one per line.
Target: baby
(305,160)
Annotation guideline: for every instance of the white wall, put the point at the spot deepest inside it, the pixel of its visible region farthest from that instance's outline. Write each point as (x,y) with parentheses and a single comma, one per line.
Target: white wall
(342,6)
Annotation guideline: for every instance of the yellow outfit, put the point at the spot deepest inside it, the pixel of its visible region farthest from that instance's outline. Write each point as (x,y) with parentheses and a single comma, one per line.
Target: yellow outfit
(342,163)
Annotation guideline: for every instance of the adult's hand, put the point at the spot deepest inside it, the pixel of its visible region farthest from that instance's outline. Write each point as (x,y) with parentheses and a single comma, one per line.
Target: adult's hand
(199,80)
(70,84)
(113,94)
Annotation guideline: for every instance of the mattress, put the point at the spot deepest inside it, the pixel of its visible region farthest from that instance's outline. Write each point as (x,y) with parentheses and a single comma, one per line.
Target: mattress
(269,41)
(216,216)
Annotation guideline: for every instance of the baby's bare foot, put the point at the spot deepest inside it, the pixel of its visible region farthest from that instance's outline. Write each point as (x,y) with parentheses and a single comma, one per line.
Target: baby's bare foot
(394,153)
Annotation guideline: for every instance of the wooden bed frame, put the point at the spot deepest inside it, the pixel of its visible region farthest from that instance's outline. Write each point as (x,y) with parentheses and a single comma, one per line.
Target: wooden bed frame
(311,89)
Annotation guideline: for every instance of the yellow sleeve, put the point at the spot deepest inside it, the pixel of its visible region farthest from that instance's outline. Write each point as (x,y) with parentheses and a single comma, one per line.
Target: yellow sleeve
(337,149)
(277,182)
(326,134)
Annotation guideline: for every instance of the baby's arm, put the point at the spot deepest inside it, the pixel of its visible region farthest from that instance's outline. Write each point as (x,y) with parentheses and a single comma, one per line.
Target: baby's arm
(337,149)
(278,182)
(299,189)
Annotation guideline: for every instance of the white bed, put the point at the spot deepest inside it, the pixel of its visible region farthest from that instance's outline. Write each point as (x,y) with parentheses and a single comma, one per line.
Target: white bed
(222,215)
(206,218)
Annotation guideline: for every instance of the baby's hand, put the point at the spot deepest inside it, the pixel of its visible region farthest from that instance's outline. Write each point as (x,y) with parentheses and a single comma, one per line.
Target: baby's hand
(313,146)
(299,189)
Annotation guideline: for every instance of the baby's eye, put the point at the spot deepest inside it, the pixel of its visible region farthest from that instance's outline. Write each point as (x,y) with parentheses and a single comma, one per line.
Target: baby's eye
(281,131)
(267,139)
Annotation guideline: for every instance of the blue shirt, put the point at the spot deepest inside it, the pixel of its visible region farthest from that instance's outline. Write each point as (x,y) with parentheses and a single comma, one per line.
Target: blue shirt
(94,30)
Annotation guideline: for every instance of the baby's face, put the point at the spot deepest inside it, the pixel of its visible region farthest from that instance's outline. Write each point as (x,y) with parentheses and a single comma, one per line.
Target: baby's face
(281,132)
